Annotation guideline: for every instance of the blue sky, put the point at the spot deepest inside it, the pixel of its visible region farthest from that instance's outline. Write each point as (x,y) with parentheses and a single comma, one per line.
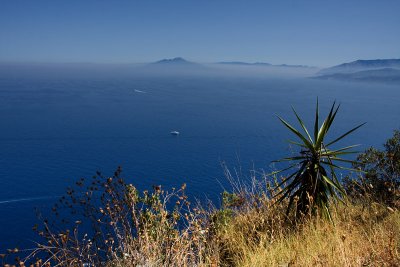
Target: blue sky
(319,33)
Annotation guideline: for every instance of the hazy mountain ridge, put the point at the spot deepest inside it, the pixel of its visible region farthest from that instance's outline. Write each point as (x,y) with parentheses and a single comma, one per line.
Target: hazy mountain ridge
(180,60)
(377,70)
(361,65)
(176,60)
(387,75)
(179,66)
(244,63)
(265,64)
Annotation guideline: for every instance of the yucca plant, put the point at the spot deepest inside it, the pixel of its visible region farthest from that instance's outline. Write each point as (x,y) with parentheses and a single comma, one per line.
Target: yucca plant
(314,183)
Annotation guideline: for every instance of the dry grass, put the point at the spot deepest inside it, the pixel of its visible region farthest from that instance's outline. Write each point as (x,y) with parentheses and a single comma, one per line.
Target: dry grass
(360,237)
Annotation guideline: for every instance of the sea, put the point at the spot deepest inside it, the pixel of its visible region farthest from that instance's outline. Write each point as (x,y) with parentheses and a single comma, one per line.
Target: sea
(55,129)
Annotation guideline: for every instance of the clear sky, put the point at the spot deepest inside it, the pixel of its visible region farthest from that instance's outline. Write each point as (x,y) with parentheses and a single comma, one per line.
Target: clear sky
(319,33)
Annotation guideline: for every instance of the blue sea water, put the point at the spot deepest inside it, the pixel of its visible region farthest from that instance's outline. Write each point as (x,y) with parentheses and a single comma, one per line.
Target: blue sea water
(55,130)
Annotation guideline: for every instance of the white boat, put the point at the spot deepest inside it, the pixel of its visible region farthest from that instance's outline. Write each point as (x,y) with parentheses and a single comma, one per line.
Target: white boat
(174,133)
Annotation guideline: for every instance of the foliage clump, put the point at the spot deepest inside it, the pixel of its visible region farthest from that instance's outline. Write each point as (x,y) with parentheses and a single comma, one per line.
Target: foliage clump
(115,223)
(381,179)
(314,185)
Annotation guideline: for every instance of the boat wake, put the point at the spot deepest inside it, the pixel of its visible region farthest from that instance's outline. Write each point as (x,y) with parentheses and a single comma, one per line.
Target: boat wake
(26,199)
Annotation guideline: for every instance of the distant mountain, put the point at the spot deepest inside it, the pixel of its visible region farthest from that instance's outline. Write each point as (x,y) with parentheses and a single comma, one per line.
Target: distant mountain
(361,65)
(292,66)
(181,66)
(244,63)
(172,66)
(261,64)
(174,61)
(387,75)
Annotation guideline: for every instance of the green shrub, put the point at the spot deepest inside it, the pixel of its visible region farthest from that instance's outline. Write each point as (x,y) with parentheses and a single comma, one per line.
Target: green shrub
(111,222)
(381,181)
(314,183)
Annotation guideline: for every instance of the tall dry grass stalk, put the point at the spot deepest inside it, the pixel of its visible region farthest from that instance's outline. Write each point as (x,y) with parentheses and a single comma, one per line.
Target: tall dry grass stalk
(358,238)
